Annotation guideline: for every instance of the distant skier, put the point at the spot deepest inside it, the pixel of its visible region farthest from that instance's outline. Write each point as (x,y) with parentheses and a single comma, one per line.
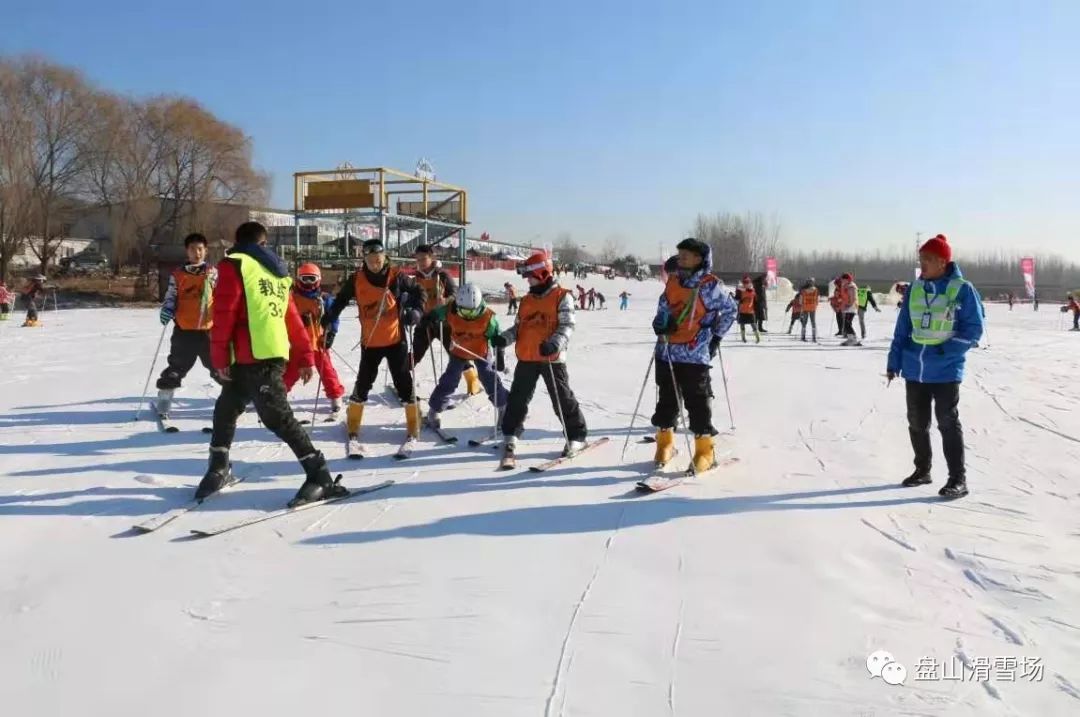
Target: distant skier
(849,302)
(511,295)
(692,316)
(592,299)
(809,296)
(745,297)
(472,325)
(35,287)
(1035,300)
(624,301)
(795,307)
(313,304)
(581,296)
(761,303)
(836,302)
(600,300)
(389,303)
(256,327)
(7,299)
(1073,305)
(541,340)
(188,303)
(1012,300)
(942,321)
(866,298)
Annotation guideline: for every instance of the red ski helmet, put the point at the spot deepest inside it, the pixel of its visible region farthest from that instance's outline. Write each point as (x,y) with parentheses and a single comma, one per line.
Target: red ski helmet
(537,266)
(309,275)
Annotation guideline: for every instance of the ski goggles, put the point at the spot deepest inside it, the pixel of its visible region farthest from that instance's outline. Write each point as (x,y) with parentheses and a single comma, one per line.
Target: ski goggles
(309,279)
(470,313)
(527,269)
(374,249)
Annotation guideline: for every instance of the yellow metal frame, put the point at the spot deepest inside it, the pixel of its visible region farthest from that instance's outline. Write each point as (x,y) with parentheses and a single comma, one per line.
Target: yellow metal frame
(380,178)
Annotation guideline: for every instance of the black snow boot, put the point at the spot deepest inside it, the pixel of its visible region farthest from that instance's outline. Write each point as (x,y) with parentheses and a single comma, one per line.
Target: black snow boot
(217,475)
(319,484)
(954,488)
(917,478)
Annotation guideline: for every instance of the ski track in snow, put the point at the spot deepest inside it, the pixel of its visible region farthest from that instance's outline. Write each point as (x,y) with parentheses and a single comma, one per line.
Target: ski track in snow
(889,536)
(562,669)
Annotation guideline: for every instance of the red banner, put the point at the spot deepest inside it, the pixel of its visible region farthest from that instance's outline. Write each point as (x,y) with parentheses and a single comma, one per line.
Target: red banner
(1027,268)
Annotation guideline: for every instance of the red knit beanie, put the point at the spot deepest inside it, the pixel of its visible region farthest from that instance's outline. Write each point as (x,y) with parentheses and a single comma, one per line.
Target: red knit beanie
(939,246)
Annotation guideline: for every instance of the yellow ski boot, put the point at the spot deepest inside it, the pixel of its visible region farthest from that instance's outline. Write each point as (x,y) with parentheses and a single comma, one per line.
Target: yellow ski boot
(665,445)
(704,456)
(472,381)
(354,416)
(412,420)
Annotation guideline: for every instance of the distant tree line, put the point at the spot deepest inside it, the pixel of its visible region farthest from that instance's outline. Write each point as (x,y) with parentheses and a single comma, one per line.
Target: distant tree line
(155,166)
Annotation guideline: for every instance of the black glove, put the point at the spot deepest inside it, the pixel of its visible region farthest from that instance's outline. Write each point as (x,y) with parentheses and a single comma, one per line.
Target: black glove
(410,317)
(714,347)
(499,341)
(890,376)
(328,338)
(326,320)
(500,360)
(549,348)
(663,325)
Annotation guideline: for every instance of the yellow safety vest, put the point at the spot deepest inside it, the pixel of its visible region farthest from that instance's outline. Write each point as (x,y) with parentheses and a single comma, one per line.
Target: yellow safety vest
(933,320)
(267,298)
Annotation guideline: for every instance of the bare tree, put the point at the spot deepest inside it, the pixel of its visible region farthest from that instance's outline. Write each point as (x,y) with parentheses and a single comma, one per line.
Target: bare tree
(15,197)
(568,252)
(59,105)
(611,249)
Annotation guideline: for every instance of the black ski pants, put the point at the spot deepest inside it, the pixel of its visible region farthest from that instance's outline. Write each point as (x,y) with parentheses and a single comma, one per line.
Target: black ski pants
(31,307)
(263,384)
(185,348)
(397,360)
(945,400)
(557,380)
(695,388)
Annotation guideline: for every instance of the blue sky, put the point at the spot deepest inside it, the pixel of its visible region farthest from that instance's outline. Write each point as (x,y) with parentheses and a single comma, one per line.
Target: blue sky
(856,123)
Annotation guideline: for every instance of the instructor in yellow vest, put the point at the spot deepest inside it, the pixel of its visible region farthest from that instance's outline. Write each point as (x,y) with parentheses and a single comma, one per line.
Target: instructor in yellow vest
(939,323)
(257,330)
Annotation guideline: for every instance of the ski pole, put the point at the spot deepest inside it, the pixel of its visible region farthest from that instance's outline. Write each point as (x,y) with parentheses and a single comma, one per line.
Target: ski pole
(318,390)
(678,398)
(558,403)
(412,373)
(727,394)
(343,360)
(641,395)
(495,377)
(378,318)
(146,388)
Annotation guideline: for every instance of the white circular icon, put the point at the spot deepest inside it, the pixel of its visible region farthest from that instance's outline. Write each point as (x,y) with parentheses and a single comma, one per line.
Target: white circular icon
(877,661)
(894,673)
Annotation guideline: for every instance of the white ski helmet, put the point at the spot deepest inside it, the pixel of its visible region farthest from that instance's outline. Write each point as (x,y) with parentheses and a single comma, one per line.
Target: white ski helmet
(469,299)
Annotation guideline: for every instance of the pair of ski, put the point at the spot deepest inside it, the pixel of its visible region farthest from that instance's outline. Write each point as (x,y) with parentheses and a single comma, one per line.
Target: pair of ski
(657,481)
(163,423)
(509,461)
(355,450)
(163,519)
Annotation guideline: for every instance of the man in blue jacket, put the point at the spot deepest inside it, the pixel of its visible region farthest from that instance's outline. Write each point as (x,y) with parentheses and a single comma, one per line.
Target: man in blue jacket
(694,313)
(940,321)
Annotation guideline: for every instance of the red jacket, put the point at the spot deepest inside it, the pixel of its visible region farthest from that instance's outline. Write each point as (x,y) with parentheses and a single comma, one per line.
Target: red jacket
(231,328)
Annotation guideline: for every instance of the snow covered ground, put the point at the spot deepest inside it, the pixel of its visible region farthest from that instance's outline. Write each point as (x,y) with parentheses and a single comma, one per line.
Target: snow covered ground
(759,589)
